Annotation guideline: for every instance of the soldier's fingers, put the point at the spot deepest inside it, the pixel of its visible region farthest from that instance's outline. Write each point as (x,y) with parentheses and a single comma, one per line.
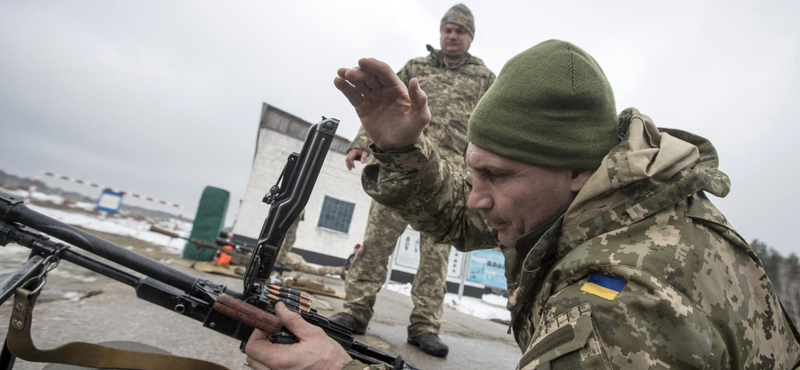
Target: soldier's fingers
(362,87)
(349,91)
(359,74)
(254,364)
(295,323)
(258,346)
(349,158)
(380,70)
(364,155)
(419,100)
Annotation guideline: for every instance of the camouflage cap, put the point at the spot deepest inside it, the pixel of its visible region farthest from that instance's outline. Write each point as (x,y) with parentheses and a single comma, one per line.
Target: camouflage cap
(459,14)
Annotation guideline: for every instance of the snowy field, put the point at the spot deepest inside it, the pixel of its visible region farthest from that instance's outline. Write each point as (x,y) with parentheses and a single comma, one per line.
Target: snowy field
(488,307)
(112,224)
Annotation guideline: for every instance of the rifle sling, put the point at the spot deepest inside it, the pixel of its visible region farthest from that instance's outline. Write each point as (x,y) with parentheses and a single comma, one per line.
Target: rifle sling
(86,354)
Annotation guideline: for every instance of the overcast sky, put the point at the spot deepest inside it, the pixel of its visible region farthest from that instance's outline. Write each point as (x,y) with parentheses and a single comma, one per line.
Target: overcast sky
(163,98)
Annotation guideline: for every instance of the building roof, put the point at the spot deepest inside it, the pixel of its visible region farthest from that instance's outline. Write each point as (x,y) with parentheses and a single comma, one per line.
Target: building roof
(288,124)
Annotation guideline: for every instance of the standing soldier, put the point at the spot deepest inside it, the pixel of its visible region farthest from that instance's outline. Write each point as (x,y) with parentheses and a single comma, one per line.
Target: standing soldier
(454,81)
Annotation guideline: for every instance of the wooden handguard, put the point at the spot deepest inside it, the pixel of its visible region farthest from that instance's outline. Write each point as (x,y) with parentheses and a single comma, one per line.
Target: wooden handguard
(247,314)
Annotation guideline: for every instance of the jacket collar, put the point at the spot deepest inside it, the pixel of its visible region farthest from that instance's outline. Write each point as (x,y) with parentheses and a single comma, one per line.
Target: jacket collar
(440,61)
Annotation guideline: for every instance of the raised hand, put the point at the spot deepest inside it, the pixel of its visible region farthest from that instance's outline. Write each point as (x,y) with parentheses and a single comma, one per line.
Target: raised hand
(392,115)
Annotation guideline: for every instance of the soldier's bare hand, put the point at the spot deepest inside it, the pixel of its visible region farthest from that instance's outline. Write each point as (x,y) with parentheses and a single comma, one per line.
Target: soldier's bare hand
(392,114)
(313,351)
(353,155)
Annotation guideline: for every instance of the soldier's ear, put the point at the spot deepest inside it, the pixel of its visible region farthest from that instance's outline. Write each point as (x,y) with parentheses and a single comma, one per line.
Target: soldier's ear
(579,179)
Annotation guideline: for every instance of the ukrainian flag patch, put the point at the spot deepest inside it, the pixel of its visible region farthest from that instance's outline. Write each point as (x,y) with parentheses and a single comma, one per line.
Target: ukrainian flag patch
(604,286)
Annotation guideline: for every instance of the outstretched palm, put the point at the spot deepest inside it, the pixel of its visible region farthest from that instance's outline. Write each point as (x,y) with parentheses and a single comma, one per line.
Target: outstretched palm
(392,115)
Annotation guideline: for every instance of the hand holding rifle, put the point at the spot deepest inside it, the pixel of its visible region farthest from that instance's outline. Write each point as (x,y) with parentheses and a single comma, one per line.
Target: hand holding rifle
(262,354)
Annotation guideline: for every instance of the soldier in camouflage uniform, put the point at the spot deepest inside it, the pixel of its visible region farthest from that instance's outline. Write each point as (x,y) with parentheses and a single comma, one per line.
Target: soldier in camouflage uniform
(297,262)
(634,268)
(454,81)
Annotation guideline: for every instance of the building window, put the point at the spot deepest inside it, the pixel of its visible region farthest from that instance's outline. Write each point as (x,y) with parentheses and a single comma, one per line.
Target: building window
(336,214)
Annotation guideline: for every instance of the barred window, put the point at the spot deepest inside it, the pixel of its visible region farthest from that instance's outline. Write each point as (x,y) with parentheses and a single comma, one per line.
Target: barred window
(336,214)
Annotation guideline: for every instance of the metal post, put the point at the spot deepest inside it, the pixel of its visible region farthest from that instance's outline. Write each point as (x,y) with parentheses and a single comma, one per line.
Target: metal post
(389,267)
(33,185)
(464,271)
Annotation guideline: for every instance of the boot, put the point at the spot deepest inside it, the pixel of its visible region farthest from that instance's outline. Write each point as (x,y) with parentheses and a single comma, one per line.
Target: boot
(347,320)
(430,344)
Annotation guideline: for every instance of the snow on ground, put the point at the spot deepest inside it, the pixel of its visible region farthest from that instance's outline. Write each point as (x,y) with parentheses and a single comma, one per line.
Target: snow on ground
(42,197)
(119,226)
(489,307)
(17,193)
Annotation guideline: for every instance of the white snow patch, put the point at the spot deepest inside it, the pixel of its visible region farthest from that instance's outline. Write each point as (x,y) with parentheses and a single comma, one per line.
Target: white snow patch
(24,194)
(73,296)
(476,307)
(119,226)
(65,274)
(84,206)
(495,300)
(404,289)
(489,307)
(42,197)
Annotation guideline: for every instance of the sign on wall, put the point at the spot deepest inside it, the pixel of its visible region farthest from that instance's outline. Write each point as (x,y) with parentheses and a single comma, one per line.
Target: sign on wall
(407,249)
(455,263)
(109,201)
(487,267)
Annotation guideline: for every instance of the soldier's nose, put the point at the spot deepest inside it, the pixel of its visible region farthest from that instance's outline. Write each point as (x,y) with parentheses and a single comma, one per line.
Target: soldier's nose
(478,201)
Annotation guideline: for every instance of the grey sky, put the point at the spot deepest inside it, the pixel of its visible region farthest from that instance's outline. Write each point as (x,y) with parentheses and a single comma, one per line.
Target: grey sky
(163,98)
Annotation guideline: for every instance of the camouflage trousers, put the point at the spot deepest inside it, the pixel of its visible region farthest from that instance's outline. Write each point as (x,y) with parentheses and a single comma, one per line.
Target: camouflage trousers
(368,272)
(297,262)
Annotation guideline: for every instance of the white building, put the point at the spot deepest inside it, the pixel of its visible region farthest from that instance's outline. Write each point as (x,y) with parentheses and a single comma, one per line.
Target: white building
(336,213)
(339,190)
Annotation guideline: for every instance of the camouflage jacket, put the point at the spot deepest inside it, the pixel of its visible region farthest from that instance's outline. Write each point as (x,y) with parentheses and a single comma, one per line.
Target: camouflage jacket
(641,272)
(453,91)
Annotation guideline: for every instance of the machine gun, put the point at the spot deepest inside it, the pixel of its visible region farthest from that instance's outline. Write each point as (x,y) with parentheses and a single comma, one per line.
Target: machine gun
(238,257)
(218,307)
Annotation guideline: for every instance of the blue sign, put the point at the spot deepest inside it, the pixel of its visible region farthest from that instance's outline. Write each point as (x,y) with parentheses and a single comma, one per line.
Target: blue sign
(109,201)
(487,267)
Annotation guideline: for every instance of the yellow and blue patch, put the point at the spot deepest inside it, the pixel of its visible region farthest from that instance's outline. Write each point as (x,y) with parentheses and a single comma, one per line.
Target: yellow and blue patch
(604,286)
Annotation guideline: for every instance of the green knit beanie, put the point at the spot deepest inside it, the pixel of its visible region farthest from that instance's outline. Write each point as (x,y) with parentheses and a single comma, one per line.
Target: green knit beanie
(551,106)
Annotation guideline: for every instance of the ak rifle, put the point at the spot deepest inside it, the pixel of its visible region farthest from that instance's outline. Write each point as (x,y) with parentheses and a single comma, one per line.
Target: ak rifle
(217,307)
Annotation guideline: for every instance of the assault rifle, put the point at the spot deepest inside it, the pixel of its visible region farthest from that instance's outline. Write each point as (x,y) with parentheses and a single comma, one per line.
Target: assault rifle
(218,307)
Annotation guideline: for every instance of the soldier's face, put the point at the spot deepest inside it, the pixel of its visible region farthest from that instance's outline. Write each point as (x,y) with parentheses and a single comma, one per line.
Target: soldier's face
(454,40)
(517,197)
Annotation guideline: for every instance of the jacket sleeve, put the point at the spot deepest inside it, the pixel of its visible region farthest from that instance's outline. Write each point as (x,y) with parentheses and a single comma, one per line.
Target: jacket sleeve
(649,325)
(428,195)
(361,142)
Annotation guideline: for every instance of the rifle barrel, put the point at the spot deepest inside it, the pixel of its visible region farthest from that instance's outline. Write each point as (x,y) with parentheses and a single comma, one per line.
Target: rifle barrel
(18,212)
